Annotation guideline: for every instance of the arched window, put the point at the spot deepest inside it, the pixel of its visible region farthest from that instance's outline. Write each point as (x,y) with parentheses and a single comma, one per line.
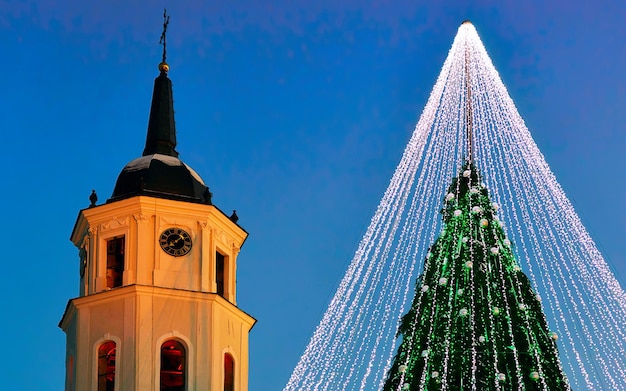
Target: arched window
(173,366)
(229,373)
(106,366)
(70,373)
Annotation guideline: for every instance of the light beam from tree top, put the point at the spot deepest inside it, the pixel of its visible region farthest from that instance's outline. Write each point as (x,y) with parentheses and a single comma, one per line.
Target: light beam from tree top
(352,347)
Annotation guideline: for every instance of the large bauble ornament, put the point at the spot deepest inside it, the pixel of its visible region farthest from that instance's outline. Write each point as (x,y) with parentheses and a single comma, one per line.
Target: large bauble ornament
(467,173)
(484,223)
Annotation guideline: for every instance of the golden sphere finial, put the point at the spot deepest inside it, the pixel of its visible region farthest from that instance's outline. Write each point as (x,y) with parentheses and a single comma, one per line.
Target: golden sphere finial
(163,67)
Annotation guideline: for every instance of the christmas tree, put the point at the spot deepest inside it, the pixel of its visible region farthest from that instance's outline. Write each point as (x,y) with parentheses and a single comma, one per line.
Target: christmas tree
(475,322)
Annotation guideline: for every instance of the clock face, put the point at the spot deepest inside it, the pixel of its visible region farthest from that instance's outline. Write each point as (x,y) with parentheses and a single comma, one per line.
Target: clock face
(175,241)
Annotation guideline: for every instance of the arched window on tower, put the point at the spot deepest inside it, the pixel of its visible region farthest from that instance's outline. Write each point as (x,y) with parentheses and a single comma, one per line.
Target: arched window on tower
(70,373)
(229,373)
(106,366)
(173,366)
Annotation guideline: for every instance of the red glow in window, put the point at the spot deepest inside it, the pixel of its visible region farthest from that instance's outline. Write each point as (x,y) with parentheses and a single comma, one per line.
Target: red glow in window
(173,366)
(106,366)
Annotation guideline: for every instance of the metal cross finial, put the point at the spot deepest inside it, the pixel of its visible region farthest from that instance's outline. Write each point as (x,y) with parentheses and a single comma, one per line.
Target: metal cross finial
(166,21)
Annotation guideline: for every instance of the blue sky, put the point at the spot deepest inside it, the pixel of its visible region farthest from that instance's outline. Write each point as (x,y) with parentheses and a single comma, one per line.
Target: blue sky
(295,114)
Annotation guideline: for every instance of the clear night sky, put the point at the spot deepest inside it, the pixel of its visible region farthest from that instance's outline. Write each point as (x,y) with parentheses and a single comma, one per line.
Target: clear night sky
(295,114)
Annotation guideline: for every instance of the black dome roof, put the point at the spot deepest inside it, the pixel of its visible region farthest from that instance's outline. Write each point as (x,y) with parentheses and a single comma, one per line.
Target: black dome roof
(160,176)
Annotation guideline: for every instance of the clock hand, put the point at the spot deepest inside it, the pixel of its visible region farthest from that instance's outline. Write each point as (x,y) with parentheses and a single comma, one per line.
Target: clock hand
(175,241)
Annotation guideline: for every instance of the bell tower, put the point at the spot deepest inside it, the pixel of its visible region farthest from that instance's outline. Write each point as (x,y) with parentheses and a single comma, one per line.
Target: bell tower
(157,305)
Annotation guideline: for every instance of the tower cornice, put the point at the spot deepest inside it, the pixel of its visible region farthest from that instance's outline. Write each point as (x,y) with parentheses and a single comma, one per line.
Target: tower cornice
(154,291)
(147,206)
